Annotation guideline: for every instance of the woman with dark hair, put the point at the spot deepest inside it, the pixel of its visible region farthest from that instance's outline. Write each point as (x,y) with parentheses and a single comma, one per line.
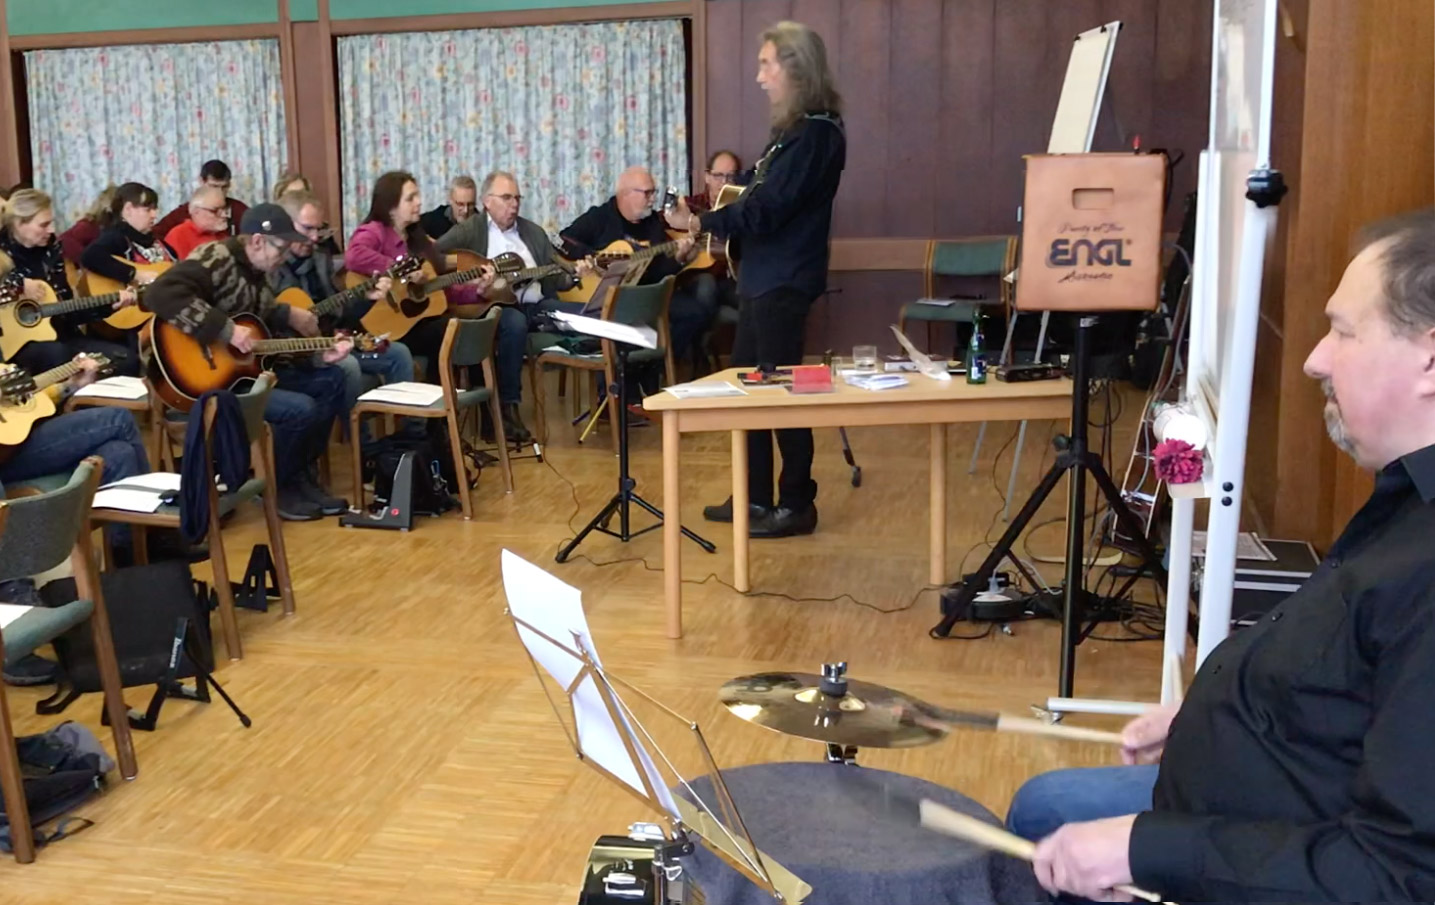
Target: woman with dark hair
(130,236)
(391,231)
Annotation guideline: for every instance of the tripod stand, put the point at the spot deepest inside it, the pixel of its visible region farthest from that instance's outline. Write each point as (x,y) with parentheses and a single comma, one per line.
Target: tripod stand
(1076,460)
(626,495)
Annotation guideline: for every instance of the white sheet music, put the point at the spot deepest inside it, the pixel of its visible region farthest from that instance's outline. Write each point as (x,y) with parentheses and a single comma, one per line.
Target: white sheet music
(643,337)
(118,387)
(556,609)
(9,612)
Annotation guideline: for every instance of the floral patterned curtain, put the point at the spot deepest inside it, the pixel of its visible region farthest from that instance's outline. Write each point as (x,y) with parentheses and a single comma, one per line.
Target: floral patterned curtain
(154,113)
(566,108)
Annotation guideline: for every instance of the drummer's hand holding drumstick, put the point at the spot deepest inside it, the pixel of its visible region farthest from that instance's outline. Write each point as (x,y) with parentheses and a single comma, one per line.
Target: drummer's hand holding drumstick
(1091,859)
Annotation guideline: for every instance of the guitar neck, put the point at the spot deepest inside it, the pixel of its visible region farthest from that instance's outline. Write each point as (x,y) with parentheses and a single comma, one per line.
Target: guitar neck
(298,344)
(653,251)
(533,273)
(56,375)
(338,300)
(89,302)
(452,279)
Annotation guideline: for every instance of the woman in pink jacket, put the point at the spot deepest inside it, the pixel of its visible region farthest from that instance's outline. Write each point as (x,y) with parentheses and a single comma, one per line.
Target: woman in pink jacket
(390,231)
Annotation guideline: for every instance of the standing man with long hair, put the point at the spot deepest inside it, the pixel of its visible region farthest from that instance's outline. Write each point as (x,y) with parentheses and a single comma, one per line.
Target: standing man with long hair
(782,221)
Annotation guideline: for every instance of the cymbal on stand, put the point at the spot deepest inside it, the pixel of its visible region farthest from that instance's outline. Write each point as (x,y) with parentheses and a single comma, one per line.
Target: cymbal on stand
(830,709)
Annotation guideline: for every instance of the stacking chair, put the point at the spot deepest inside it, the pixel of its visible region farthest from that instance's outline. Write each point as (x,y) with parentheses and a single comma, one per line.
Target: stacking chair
(466,342)
(992,256)
(260,486)
(636,306)
(37,533)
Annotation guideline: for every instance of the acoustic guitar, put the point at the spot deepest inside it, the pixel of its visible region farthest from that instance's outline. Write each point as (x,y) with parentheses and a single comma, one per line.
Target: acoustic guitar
(731,248)
(25,321)
(358,288)
(182,370)
(511,273)
(418,296)
(24,402)
(632,254)
(134,316)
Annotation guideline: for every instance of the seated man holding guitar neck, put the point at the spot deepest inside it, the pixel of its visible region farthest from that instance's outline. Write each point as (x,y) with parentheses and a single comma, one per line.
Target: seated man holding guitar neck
(495,230)
(309,267)
(27,236)
(629,216)
(198,296)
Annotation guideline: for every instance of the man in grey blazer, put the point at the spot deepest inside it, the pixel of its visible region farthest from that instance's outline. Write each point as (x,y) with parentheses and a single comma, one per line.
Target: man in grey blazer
(496,229)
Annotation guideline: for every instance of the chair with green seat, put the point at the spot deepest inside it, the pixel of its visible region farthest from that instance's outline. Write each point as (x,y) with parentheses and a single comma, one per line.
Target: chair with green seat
(990,256)
(466,342)
(38,533)
(260,486)
(635,306)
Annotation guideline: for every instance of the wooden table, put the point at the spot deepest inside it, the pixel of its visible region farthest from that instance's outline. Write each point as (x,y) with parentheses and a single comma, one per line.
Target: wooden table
(923,401)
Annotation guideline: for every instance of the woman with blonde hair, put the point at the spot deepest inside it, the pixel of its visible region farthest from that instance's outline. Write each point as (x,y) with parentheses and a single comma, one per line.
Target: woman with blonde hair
(782,222)
(291,181)
(27,236)
(87,229)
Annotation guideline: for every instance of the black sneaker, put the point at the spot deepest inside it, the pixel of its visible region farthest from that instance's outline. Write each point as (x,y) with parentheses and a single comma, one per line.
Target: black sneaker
(784,522)
(328,505)
(31,670)
(723,512)
(295,506)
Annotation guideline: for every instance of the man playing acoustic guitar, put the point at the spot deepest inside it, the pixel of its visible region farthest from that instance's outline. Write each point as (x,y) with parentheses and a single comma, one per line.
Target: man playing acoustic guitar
(198,296)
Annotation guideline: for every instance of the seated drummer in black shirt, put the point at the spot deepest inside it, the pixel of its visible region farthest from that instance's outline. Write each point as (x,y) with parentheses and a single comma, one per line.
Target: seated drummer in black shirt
(629,215)
(1299,767)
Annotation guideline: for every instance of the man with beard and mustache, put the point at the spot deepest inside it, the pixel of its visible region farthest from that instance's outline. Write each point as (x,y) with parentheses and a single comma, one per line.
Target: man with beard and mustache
(1298,768)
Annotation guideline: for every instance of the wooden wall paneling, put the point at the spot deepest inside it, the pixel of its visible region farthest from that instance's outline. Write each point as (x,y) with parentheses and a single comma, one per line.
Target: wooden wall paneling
(914,112)
(752,110)
(309,126)
(697,90)
(961,180)
(1262,451)
(182,35)
(1127,108)
(1021,117)
(289,78)
(866,35)
(731,60)
(329,98)
(9,123)
(1181,83)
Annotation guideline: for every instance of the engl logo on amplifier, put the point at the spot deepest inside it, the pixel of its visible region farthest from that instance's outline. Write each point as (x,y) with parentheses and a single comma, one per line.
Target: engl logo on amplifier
(1106,252)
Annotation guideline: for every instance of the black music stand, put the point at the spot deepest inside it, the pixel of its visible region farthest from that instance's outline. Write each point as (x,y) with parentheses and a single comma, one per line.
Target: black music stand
(624,339)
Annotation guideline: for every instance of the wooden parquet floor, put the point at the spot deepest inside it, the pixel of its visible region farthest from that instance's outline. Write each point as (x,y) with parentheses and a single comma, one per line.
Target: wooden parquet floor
(403,752)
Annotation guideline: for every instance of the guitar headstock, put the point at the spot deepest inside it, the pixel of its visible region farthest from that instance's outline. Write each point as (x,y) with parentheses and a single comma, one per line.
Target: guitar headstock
(10,292)
(16,383)
(405,266)
(508,262)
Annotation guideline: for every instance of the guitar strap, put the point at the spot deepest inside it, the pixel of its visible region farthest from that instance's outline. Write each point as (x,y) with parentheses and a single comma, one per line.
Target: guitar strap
(765,161)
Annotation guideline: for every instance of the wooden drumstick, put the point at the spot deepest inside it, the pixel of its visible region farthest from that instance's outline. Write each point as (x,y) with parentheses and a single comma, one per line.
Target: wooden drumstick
(943,718)
(944,820)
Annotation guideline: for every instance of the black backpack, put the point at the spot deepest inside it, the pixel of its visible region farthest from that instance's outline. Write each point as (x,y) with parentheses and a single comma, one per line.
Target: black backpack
(61,770)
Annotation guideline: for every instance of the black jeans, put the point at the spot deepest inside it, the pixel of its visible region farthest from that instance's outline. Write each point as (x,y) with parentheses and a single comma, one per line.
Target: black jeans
(770,329)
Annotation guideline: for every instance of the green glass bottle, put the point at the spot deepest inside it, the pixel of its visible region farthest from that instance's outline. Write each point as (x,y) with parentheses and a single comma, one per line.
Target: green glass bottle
(976,352)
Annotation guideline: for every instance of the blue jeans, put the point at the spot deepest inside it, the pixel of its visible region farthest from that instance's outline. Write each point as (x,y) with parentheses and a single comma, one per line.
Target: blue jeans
(511,345)
(1049,800)
(301,411)
(56,445)
(395,365)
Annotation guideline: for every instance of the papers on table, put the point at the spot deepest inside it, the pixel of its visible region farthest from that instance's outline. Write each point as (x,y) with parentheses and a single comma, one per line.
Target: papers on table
(705,389)
(937,303)
(119,387)
(554,608)
(140,493)
(9,612)
(643,337)
(405,392)
(877,381)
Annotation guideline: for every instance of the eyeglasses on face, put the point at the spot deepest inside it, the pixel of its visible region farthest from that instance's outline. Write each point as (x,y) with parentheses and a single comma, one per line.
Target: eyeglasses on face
(220,212)
(722,177)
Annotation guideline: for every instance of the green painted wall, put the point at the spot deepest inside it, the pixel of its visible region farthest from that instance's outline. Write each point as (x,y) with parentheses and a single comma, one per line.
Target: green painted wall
(41,17)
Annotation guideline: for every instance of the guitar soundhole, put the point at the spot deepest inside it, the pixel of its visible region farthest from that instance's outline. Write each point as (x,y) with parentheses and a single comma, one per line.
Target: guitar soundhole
(27,314)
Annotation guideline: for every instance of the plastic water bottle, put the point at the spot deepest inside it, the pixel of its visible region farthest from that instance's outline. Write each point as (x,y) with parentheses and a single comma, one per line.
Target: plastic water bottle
(976,352)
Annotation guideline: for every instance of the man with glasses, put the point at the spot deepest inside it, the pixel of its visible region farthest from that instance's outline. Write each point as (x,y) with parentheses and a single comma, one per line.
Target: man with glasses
(215,175)
(494,231)
(200,295)
(629,216)
(208,222)
(309,267)
(462,202)
(724,168)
